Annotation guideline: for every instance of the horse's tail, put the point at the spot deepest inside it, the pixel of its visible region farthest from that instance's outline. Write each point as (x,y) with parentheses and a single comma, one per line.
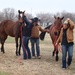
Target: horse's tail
(42,34)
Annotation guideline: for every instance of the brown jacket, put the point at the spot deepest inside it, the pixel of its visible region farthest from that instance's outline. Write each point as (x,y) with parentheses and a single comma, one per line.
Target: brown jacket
(35,31)
(70,36)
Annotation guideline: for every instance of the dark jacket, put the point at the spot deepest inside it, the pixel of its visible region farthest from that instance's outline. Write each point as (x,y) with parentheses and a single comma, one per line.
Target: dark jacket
(26,31)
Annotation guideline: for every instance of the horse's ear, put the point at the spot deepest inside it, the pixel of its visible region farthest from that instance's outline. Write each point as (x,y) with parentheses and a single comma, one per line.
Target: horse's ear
(62,18)
(54,16)
(23,12)
(19,11)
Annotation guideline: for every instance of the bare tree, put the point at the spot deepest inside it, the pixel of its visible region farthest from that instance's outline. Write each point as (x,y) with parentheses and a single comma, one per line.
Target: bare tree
(1,16)
(45,18)
(68,15)
(29,16)
(9,13)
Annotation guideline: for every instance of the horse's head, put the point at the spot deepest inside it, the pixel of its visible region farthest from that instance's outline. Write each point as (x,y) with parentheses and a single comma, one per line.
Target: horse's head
(21,15)
(58,21)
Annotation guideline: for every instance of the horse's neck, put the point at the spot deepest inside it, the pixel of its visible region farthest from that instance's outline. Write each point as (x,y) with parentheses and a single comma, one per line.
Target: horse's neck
(16,22)
(58,27)
(53,26)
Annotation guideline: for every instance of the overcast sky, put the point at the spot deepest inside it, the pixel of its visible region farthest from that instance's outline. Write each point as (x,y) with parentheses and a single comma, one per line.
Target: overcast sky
(37,6)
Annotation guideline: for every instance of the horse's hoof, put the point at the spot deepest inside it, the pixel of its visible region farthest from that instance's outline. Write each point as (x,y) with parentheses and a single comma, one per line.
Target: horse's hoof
(17,54)
(53,54)
(57,58)
(3,51)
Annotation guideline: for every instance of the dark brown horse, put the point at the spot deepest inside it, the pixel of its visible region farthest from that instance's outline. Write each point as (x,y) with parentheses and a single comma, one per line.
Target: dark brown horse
(54,31)
(13,29)
(8,27)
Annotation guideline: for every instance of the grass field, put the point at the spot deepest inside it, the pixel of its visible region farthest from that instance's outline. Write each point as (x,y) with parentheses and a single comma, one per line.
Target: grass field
(10,64)
(10,40)
(4,73)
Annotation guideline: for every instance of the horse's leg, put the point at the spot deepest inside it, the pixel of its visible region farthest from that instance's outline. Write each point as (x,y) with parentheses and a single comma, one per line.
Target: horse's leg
(54,50)
(56,47)
(4,37)
(16,39)
(53,53)
(20,47)
(2,46)
(57,58)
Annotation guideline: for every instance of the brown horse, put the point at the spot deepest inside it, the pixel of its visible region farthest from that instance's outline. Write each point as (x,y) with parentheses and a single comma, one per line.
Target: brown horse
(13,29)
(54,31)
(8,27)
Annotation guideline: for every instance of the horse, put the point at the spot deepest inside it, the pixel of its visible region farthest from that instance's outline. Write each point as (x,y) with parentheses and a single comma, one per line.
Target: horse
(10,28)
(13,29)
(54,31)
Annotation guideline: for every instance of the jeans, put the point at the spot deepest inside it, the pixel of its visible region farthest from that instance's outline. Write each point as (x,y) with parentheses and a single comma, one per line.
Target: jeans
(33,42)
(26,50)
(66,49)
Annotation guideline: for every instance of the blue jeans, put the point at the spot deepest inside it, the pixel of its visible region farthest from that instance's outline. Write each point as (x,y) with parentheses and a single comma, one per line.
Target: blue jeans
(33,42)
(66,49)
(26,50)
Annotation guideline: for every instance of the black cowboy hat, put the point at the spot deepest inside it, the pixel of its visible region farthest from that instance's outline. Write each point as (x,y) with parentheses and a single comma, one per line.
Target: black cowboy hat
(36,19)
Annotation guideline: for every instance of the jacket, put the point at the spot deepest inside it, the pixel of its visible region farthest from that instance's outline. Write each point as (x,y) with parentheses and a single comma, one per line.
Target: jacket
(35,31)
(26,30)
(69,33)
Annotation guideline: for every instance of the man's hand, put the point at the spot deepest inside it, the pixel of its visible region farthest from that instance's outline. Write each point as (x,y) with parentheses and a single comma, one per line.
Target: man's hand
(68,19)
(56,43)
(47,30)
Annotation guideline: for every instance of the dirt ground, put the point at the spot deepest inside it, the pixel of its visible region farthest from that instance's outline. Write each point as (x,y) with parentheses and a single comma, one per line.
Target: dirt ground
(15,65)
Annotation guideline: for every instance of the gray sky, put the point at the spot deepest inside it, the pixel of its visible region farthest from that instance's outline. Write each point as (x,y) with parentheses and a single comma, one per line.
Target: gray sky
(37,6)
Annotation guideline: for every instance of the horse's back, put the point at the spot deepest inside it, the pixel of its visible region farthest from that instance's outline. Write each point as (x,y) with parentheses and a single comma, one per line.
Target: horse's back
(9,27)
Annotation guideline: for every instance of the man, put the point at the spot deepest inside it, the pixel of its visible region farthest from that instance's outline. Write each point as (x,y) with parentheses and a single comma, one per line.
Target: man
(66,39)
(26,34)
(35,38)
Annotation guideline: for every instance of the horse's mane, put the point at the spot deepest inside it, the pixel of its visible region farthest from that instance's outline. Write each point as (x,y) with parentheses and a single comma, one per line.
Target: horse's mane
(42,34)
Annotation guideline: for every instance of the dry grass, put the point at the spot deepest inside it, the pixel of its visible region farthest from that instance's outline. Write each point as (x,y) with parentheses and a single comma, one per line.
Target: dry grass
(47,65)
(15,65)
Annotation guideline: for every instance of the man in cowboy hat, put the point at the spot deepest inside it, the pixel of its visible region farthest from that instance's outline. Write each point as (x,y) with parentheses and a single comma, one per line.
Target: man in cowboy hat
(35,38)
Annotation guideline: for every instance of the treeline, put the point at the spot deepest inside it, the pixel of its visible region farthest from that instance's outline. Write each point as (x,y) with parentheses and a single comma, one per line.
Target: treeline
(12,14)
